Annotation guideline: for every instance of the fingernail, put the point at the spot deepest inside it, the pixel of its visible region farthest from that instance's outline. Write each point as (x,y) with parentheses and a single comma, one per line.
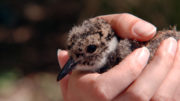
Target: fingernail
(172,44)
(142,28)
(143,55)
(58,51)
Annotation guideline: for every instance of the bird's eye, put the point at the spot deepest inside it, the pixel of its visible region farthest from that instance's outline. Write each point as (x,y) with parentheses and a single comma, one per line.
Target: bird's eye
(91,48)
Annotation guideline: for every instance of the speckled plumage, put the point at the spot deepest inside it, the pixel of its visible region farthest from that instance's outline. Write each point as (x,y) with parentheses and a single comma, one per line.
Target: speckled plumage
(106,49)
(92,32)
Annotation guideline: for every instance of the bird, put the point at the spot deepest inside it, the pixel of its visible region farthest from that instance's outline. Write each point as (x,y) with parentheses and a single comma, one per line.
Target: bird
(93,46)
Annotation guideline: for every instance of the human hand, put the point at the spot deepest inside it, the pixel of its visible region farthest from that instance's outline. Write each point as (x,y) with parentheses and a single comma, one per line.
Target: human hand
(127,80)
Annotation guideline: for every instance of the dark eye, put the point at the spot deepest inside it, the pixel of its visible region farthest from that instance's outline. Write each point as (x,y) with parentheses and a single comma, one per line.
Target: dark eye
(91,48)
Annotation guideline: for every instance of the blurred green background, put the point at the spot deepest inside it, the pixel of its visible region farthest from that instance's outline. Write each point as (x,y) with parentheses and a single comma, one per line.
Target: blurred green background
(31,31)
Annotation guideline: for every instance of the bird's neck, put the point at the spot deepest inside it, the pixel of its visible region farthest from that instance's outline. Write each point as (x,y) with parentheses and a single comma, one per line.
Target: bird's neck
(110,55)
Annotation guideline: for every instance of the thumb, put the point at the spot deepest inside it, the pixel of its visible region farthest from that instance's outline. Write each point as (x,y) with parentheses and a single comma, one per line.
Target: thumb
(129,26)
(62,59)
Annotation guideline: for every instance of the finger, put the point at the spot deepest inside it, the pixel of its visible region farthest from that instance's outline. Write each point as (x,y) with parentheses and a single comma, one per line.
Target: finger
(130,26)
(153,75)
(114,81)
(168,88)
(62,58)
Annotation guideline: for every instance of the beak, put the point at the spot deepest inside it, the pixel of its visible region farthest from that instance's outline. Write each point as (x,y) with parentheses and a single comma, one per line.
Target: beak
(66,69)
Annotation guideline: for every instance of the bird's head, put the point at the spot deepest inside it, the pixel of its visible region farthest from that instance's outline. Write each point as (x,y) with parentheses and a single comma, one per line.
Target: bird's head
(89,46)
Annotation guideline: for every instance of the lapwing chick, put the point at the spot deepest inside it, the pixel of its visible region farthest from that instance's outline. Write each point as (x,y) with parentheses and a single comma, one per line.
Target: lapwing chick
(93,46)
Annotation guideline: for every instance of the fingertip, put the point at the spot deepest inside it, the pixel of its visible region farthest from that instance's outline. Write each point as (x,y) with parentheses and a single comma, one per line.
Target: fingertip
(167,46)
(62,57)
(58,51)
(143,30)
(141,56)
(61,53)
(141,52)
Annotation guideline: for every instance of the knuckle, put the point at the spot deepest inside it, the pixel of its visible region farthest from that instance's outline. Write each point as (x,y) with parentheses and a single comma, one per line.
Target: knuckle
(137,96)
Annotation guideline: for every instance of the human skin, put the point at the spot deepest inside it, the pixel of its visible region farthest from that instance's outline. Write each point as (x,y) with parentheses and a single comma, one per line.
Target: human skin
(132,79)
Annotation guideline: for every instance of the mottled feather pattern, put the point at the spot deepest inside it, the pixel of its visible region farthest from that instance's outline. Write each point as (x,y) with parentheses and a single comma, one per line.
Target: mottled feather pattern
(98,31)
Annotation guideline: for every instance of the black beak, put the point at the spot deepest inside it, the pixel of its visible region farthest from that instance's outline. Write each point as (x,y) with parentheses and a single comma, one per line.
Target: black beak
(66,69)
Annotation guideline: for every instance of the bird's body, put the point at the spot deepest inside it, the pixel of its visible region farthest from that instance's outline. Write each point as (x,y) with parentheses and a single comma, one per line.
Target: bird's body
(94,46)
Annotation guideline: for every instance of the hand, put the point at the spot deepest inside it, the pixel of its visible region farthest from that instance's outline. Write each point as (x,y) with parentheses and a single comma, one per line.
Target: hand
(160,78)
(128,80)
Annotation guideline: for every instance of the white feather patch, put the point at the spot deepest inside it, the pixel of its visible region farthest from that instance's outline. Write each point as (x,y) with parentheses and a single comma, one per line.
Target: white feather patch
(98,64)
